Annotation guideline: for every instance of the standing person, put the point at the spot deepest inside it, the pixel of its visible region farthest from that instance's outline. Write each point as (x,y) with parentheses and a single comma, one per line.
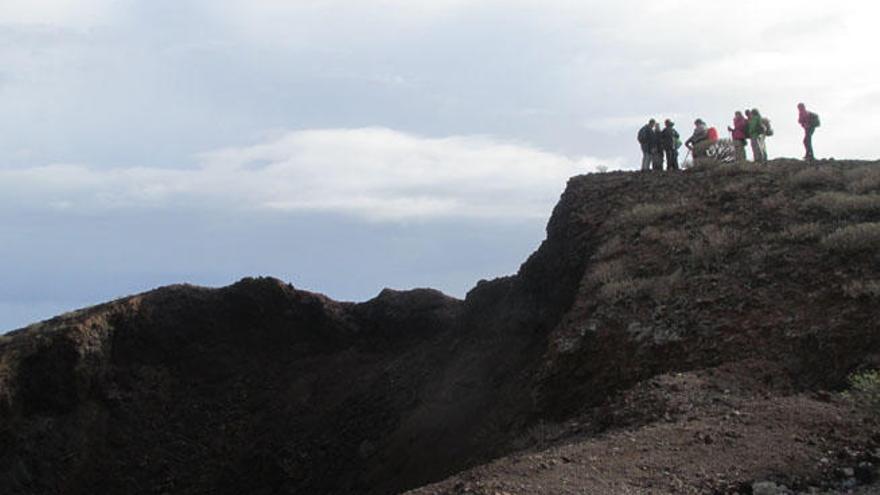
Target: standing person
(656,149)
(809,121)
(698,140)
(739,135)
(756,132)
(645,136)
(748,113)
(670,141)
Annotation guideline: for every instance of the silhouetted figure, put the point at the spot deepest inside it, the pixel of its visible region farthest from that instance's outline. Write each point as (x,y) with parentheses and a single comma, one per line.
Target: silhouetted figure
(756,130)
(809,121)
(699,140)
(644,137)
(670,141)
(738,134)
(656,149)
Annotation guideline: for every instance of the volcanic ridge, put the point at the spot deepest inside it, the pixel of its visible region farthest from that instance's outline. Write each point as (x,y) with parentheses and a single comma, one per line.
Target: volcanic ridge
(689,332)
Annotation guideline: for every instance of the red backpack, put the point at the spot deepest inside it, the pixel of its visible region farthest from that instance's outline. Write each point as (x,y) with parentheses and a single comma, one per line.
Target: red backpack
(712,134)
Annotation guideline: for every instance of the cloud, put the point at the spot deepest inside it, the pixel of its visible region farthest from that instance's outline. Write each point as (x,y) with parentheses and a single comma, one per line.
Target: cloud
(372,173)
(59,13)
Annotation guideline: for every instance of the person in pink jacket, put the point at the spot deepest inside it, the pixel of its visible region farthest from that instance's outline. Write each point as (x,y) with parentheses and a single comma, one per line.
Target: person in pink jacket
(809,121)
(739,135)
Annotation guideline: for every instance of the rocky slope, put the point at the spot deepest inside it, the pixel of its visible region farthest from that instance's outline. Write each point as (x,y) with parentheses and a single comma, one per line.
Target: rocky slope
(674,333)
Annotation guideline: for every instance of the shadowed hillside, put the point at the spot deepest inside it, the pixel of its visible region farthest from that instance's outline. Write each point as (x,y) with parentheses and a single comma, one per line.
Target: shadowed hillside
(674,333)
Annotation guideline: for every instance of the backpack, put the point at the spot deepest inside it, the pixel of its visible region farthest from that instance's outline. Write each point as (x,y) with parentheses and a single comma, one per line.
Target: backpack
(814,120)
(712,134)
(643,136)
(768,130)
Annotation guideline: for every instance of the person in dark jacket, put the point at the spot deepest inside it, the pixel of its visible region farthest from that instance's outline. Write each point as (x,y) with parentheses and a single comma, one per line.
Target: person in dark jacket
(656,149)
(738,132)
(698,140)
(670,141)
(645,137)
(808,120)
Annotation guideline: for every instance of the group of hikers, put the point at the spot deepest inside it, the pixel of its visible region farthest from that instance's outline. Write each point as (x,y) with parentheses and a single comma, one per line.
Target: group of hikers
(662,144)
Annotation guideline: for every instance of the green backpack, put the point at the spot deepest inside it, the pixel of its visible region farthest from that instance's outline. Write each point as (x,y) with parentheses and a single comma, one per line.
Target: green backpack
(814,120)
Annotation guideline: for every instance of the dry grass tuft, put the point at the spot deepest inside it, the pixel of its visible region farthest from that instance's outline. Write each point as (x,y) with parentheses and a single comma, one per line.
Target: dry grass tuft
(713,244)
(862,288)
(647,213)
(612,247)
(864,179)
(805,232)
(656,288)
(854,238)
(608,272)
(815,178)
(740,168)
(777,201)
(669,238)
(841,203)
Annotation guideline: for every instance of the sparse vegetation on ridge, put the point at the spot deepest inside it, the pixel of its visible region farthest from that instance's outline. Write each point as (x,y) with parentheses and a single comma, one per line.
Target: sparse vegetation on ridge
(689,323)
(854,238)
(865,389)
(647,213)
(841,203)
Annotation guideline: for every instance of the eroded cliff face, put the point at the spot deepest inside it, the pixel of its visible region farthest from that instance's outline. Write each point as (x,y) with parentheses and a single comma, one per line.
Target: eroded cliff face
(262,388)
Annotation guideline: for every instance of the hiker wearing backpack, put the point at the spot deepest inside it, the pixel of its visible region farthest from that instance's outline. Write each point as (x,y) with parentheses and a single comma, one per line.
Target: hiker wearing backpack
(756,131)
(809,121)
(738,134)
(670,141)
(645,138)
(699,140)
(656,149)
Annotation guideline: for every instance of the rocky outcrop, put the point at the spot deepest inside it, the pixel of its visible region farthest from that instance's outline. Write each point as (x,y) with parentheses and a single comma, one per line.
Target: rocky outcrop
(263,388)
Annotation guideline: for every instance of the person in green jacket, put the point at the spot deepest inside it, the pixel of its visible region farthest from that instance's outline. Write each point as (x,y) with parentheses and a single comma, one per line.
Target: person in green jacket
(756,133)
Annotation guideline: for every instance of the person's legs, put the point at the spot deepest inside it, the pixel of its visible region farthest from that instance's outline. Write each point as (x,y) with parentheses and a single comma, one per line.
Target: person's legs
(756,150)
(808,143)
(658,160)
(646,160)
(739,147)
(671,160)
(762,147)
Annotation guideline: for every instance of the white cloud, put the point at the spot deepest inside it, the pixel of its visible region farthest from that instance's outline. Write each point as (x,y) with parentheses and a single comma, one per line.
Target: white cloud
(374,173)
(59,13)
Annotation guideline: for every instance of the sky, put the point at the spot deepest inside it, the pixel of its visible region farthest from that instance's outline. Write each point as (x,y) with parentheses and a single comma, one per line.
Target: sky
(348,146)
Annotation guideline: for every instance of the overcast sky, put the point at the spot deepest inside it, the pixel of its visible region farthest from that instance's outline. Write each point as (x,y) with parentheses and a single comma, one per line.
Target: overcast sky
(347,146)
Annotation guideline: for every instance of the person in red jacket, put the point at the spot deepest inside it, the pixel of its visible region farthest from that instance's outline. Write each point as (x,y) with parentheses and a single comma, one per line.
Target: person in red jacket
(739,135)
(809,121)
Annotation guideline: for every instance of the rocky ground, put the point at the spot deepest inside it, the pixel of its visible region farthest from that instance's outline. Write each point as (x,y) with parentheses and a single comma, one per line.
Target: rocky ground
(717,430)
(676,333)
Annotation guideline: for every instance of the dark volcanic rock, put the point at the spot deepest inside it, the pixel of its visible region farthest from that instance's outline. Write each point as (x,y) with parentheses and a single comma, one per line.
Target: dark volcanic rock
(262,388)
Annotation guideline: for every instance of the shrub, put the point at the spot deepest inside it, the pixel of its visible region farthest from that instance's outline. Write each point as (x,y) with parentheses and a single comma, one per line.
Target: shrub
(740,168)
(669,238)
(608,272)
(804,232)
(611,247)
(621,289)
(813,177)
(864,179)
(840,203)
(862,288)
(854,238)
(777,201)
(656,288)
(865,388)
(713,244)
(648,213)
